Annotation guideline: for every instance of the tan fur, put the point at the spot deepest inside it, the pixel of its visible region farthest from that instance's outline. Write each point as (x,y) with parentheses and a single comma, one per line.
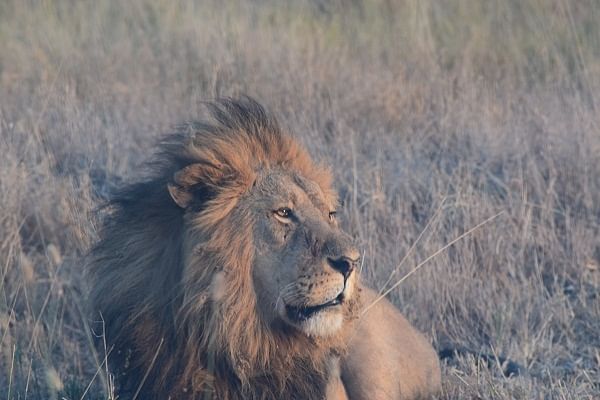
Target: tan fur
(198,278)
(389,359)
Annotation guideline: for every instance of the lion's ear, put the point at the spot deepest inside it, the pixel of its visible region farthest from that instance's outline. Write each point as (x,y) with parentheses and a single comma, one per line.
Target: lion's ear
(180,196)
(185,182)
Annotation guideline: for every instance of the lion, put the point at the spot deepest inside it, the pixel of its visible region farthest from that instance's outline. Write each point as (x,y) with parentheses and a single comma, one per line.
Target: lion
(223,274)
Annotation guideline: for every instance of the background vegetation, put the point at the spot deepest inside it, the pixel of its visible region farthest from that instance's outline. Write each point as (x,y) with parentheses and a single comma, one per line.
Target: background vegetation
(435,115)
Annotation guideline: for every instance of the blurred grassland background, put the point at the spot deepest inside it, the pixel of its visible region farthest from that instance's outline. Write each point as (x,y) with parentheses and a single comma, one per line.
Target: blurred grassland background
(434,115)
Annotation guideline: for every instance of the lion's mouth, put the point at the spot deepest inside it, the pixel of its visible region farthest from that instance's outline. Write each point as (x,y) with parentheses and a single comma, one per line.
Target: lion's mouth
(300,314)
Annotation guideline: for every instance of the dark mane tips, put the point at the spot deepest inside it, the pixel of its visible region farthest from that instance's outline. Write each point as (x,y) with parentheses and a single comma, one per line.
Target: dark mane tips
(201,158)
(244,114)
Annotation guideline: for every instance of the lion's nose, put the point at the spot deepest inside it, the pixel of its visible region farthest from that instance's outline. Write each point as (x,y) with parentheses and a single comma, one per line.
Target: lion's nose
(344,265)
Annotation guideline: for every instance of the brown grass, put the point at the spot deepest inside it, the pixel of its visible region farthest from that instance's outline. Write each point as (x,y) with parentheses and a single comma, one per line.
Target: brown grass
(492,106)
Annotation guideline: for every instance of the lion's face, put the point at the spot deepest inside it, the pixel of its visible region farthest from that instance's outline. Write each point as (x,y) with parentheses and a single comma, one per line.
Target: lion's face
(305,266)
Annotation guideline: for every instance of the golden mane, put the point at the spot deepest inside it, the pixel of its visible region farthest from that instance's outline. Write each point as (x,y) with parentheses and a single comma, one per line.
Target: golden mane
(179,317)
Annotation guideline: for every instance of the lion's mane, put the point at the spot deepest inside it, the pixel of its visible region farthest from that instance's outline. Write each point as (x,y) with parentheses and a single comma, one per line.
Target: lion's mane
(168,333)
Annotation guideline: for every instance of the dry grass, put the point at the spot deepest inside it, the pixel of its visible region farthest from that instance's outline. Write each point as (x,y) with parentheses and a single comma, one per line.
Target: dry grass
(489,106)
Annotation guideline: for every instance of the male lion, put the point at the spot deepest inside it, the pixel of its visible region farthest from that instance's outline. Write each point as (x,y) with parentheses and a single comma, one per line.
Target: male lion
(224,275)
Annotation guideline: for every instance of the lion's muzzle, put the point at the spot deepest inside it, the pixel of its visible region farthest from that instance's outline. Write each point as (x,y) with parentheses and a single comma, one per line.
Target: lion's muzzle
(332,303)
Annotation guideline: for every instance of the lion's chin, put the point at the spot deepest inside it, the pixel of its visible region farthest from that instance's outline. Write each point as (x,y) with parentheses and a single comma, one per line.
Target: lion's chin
(324,323)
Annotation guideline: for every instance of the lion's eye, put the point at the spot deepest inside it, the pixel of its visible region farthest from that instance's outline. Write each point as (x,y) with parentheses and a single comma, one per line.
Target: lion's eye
(284,213)
(332,215)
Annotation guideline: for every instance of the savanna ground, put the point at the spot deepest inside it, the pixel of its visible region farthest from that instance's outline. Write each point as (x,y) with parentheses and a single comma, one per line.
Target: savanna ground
(434,115)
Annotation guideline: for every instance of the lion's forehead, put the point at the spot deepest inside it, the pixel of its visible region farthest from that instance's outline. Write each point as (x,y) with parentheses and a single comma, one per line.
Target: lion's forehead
(292,187)
(313,191)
